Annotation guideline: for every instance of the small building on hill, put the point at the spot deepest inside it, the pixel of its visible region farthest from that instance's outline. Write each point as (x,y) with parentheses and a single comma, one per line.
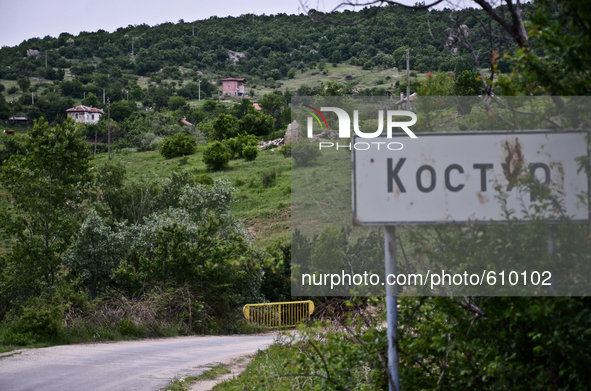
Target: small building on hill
(233,87)
(85,114)
(19,120)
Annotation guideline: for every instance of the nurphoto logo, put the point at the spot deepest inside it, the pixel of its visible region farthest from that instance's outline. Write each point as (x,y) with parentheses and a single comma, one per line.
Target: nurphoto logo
(345,127)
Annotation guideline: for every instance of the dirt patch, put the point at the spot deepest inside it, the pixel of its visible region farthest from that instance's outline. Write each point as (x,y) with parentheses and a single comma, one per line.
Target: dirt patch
(236,367)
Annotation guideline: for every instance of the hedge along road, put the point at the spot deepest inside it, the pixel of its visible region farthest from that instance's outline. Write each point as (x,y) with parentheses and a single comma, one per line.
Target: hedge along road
(129,365)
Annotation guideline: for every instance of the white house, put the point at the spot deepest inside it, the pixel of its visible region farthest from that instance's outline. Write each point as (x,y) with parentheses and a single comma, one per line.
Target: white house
(85,114)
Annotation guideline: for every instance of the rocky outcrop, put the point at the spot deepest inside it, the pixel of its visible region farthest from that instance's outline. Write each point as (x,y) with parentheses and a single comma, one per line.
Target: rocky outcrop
(293,133)
(271,144)
(235,56)
(33,52)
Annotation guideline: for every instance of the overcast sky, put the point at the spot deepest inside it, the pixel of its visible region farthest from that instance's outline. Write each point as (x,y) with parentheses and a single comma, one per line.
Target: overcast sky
(24,19)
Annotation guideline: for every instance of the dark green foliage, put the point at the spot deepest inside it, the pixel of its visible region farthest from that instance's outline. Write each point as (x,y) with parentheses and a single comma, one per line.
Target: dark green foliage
(10,147)
(257,124)
(225,126)
(237,144)
(121,110)
(276,106)
(468,83)
(204,179)
(250,152)
(178,145)
(176,102)
(304,153)
(285,150)
(40,321)
(276,285)
(46,186)
(24,83)
(216,156)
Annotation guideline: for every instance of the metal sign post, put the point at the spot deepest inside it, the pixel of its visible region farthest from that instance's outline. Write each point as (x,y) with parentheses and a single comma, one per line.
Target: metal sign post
(391,308)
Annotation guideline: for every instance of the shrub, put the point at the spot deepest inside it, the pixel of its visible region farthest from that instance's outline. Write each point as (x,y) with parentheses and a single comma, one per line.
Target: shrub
(304,153)
(286,150)
(176,102)
(225,126)
(216,156)
(41,321)
(204,179)
(250,152)
(269,177)
(236,144)
(178,145)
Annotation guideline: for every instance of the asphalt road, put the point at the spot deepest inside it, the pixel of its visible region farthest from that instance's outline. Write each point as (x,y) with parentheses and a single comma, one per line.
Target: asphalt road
(130,365)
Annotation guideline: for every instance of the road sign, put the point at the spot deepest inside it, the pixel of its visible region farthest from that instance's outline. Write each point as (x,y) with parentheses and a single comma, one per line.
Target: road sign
(456,177)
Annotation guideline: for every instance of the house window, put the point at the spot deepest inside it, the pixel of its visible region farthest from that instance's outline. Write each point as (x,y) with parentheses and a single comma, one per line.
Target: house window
(76,115)
(93,116)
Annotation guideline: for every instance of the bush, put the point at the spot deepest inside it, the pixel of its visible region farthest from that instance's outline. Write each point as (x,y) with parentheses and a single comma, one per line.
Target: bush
(269,177)
(236,144)
(176,102)
(216,156)
(41,321)
(304,153)
(250,152)
(286,150)
(204,179)
(178,145)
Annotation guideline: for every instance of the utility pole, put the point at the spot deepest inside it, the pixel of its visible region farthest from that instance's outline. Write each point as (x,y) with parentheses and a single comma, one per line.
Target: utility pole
(109,126)
(407,79)
(199,89)
(193,28)
(103,96)
(132,46)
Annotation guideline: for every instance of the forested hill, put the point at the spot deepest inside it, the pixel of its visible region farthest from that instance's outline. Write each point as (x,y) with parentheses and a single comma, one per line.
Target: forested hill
(272,45)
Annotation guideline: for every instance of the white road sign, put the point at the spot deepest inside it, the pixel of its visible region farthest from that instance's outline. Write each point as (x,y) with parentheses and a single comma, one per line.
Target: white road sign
(456,177)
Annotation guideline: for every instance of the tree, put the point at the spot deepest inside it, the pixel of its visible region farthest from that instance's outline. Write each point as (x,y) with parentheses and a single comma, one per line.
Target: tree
(96,253)
(176,102)
(46,187)
(275,106)
(225,126)
(216,156)
(91,100)
(24,83)
(178,145)
(256,123)
(122,109)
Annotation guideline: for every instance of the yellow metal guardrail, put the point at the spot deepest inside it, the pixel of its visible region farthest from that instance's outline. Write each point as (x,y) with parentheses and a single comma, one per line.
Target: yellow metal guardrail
(275,315)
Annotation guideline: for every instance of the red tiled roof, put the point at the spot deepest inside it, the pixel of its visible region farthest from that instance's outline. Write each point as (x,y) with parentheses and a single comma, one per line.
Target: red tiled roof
(233,79)
(84,109)
(257,106)
(184,120)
